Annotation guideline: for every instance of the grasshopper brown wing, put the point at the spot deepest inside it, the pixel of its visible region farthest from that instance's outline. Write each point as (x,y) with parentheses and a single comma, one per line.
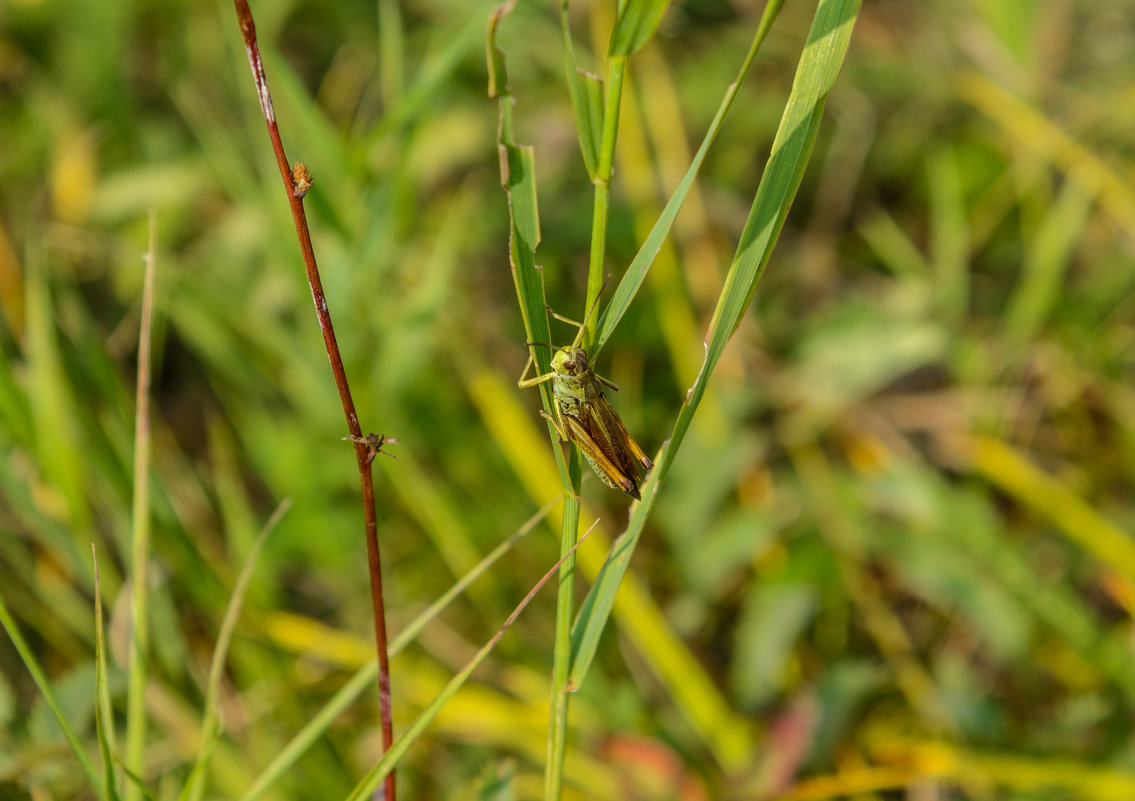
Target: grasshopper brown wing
(611,473)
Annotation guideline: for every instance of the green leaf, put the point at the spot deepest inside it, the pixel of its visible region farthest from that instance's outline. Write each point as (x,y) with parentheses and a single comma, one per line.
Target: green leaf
(45,688)
(496,782)
(1047,260)
(773,618)
(586,90)
(950,238)
(518,177)
(637,22)
(210,723)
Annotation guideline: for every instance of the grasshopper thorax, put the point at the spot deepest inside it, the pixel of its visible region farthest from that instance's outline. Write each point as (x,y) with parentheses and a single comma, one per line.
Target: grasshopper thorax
(570,361)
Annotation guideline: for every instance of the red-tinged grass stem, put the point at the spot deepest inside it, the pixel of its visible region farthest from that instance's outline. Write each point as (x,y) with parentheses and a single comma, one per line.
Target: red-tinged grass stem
(296,185)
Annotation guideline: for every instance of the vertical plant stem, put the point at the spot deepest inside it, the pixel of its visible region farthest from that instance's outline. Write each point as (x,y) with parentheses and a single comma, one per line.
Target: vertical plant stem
(561,667)
(561,659)
(363,455)
(140,534)
(616,71)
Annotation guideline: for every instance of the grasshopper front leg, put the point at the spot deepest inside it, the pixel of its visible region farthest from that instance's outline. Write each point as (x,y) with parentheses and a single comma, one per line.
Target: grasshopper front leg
(524,383)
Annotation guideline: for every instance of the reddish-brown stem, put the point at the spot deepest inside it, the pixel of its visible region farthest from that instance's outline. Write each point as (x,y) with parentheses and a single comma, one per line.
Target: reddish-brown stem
(248,30)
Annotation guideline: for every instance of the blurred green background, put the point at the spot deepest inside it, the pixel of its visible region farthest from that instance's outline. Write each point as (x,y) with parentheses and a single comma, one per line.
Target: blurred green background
(893,554)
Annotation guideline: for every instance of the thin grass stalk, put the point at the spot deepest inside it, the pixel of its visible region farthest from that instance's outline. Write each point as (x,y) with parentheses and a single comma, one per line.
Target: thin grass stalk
(104,713)
(140,534)
(346,695)
(415,730)
(364,454)
(209,721)
(8,623)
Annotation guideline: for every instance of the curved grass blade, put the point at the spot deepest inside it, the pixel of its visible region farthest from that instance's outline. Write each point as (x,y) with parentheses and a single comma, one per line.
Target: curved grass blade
(48,693)
(210,725)
(386,764)
(1015,475)
(104,715)
(693,691)
(364,676)
(496,782)
(819,65)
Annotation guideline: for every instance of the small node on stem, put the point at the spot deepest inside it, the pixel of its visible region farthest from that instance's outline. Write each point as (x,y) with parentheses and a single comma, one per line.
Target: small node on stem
(374,443)
(301,179)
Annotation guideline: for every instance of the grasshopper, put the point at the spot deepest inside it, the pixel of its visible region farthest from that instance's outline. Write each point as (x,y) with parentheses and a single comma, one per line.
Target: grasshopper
(583,414)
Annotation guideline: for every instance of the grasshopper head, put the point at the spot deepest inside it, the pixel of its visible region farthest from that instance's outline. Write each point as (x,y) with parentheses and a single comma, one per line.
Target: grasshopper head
(570,361)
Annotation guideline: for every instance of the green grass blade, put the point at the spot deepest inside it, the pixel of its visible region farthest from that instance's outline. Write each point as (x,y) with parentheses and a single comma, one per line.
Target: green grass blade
(135,781)
(694,693)
(636,273)
(496,782)
(1032,130)
(392,50)
(140,534)
(431,80)
(561,655)
(1046,262)
(636,23)
(586,90)
(15,411)
(815,76)
(48,693)
(601,206)
(52,402)
(209,739)
(893,246)
(950,239)
(599,601)
(388,761)
(104,714)
(518,177)
(364,676)
(819,65)
(1083,525)
(210,725)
